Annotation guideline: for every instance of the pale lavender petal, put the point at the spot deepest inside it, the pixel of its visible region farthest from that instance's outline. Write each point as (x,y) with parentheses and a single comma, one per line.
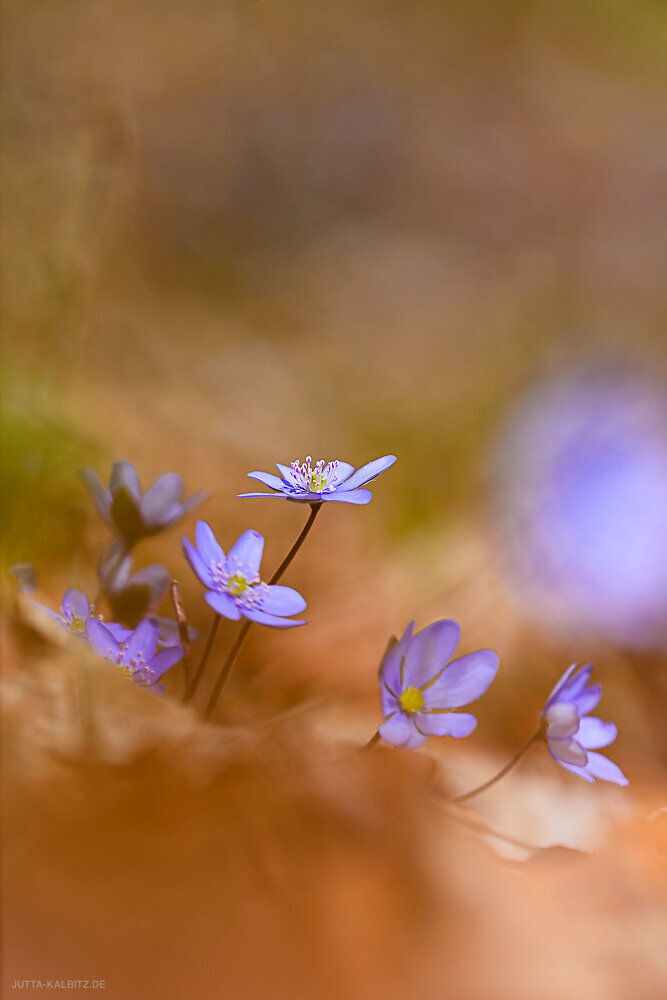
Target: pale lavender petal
(166,659)
(581,772)
(343,472)
(143,640)
(263,618)
(57,617)
(428,653)
(576,684)
(594,733)
(286,473)
(369,471)
(348,496)
(456,724)
(589,699)
(193,501)
(118,631)
(400,732)
(101,639)
(123,473)
(463,681)
(388,699)
(243,496)
(567,750)
(77,602)
(390,671)
(196,562)
(561,683)
(268,479)
(245,554)
(601,767)
(159,498)
(224,604)
(208,545)
(282,601)
(155,576)
(101,496)
(562,719)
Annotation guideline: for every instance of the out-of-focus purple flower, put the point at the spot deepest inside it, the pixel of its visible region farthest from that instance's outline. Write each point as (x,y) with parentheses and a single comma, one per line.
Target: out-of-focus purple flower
(136,656)
(25,576)
(132,596)
(308,483)
(572,735)
(234,586)
(582,499)
(136,514)
(419,687)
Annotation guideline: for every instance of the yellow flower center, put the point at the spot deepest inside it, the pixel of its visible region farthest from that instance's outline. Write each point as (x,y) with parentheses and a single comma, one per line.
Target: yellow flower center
(412,699)
(237,584)
(78,624)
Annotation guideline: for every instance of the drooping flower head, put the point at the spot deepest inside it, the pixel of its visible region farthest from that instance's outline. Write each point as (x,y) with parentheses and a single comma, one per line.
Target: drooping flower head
(420,687)
(134,514)
(304,482)
(73,612)
(136,656)
(572,735)
(235,589)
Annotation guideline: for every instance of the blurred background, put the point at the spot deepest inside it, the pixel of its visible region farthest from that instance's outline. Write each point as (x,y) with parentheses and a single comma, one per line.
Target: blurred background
(236,233)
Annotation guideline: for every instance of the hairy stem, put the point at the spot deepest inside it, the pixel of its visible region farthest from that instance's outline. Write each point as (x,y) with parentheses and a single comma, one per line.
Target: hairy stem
(503,771)
(204,660)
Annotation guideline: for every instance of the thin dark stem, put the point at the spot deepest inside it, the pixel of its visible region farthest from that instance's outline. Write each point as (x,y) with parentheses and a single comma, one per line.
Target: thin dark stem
(229,662)
(182,621)
(314,511)
(204,660)
(501,774)
(375,738)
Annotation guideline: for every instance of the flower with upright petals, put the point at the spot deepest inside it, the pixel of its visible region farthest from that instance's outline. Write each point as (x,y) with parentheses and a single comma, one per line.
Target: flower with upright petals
(136,656)
(308,483)
(135,514)
(419,686)
(235,589)
(132,596)
(572,735)
(73,612)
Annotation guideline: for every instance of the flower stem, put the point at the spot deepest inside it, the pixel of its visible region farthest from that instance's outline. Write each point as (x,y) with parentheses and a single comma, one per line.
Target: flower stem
(375,738)
(182,621)
(314,511)
(204,660)
(229,662)
(503,771)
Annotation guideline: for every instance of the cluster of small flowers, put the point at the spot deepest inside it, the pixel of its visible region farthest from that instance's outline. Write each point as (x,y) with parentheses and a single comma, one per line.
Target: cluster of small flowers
(422,687)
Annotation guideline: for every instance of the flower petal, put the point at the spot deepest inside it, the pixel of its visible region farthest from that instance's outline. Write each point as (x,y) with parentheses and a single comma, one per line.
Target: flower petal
(562,720)
(581,772)
(155,577)
(101,496)
(143,640)
(567,750)
(369,471)
(166,659)
(77,602)
(123,473)
(555,691)
(268,479)
(456,724)
(463,681)
(348,496)
(209,547)
(245,554)
(160,497)
(243,496)
(429,652)
(101,639)
(390,668)
(55,615)
(264,618)
(601,767)
(196,562)
(224,604)
(399,731)
(588,699)
(343,472)
(282,601)
(594,733)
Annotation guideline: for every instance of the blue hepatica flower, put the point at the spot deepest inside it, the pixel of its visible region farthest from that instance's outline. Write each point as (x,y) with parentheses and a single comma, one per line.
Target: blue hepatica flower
(75,611)
(235,589)
(137,656)
(573,735)
(419,687)
(308,483)
(136,514)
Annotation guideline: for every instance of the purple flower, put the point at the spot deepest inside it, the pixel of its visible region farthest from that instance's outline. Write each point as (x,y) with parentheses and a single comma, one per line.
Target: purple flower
(234,586)
(419,689)
(573,735)
(305,483)
(73,612)
(137,655)
(138,515)
(132,596)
